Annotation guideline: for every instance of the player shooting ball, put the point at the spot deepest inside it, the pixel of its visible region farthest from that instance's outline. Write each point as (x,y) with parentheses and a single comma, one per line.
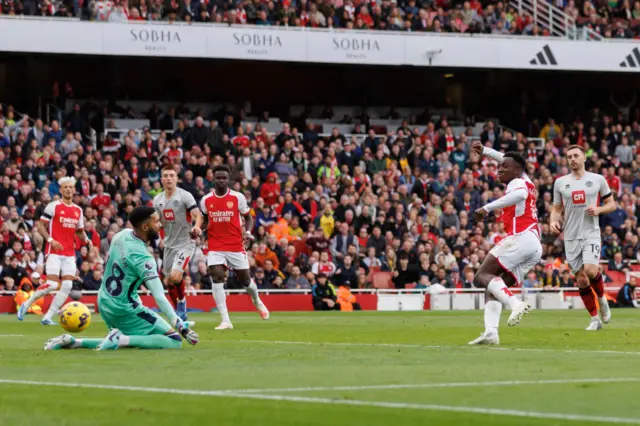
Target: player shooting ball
(512,258)
(579,194)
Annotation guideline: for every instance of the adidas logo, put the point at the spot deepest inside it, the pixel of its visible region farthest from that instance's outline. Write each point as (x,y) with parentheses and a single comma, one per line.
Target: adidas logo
(633,59)
(544,57)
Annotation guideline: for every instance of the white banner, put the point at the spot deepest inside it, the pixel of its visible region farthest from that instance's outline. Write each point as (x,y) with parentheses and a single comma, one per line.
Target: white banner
(350,47)
(152,40)
(309,45)
(255,43)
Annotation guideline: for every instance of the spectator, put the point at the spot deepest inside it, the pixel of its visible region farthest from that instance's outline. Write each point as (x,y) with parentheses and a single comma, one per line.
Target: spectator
(324,266)
(324,295)
(346,273)
(405,274)
(341,242)
(297,280)
(617,263)
(266,254)
(627,295)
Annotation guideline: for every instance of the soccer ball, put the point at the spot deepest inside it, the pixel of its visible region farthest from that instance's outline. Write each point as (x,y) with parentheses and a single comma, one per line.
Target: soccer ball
(75,317)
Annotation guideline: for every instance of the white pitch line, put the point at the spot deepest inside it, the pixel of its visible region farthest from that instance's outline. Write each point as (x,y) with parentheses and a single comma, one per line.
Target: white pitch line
(445,385)
(327,401)
(11,335)
(416,346)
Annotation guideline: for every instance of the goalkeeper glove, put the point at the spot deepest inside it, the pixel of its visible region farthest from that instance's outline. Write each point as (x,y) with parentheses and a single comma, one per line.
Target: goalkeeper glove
(188,334)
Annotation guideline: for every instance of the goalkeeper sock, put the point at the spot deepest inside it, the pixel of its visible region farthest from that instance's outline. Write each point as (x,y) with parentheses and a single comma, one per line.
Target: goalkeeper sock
(180,290)
(252,290)
(221,301)
(155,341)
(59,299)
(86,344)
(598,284)
(501,293)
(589,299)
(492,311)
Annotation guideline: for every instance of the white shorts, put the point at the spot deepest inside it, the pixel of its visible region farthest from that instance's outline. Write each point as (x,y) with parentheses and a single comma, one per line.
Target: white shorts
(518,254)
(582,252)
(237,261)
(60,265)
(176,259)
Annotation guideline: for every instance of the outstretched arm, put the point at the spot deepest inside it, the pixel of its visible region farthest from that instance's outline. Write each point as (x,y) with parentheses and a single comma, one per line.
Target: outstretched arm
(512,198)
(487,152)
(157,291)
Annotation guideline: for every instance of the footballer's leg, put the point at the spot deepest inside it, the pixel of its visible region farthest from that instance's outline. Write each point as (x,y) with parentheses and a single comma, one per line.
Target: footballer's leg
(176,277)
(500,270)
(217,263)
(575,252)
(53,266)
(142,329)
(67,341)
(68,271)
(240,265)
(168,260)
(591,260)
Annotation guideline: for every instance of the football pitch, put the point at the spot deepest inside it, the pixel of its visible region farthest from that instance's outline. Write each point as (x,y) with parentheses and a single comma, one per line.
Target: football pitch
(362,368)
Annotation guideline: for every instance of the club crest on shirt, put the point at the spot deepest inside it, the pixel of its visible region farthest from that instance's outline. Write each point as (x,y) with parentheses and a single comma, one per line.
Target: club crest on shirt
(589,184)
(229,204)
(567,186)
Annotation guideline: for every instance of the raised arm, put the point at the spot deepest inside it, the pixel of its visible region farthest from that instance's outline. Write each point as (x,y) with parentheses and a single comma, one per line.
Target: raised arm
(487,152)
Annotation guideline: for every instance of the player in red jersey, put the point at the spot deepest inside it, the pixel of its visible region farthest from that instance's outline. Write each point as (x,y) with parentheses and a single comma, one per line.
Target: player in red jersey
(512,258)
(61,221)
(226,238)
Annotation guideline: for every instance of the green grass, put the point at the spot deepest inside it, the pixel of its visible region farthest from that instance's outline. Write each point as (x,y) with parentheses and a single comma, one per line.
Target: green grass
(308,350)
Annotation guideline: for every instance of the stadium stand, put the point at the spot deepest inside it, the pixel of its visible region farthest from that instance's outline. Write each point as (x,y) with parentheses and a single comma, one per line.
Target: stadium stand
(599,19)
(349,196)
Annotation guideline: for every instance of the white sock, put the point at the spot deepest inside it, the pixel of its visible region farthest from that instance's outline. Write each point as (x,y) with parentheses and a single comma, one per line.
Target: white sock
(492,311)
(123,341)
(59,299)
(221,301)
(501,292)
(45,289)
(252,290)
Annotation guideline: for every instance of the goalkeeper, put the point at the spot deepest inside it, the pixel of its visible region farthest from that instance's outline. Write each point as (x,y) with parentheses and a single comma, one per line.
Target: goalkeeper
(132,325)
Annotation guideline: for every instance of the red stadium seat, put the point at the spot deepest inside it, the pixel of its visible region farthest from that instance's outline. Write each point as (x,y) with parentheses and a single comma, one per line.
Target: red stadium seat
(382,280)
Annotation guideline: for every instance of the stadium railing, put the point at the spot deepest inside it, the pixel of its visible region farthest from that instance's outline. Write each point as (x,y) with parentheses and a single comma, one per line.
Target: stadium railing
(119,134)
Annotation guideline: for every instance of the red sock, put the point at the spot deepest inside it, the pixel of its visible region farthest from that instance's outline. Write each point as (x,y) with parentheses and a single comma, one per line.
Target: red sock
(180,290)
(173,295)
(589,300)
(598,284)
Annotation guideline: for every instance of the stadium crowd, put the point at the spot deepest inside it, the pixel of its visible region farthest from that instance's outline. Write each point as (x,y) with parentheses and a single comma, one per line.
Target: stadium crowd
(617,19)
(333,207)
